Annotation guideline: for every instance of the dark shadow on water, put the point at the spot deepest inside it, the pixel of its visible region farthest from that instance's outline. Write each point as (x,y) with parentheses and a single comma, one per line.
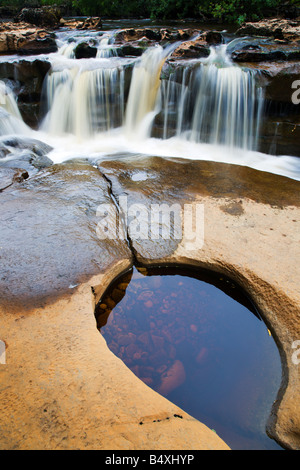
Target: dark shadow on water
(197,339)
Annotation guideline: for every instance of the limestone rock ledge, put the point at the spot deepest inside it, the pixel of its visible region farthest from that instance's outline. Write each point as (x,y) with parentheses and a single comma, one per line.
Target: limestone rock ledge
(26,39)
(61,387)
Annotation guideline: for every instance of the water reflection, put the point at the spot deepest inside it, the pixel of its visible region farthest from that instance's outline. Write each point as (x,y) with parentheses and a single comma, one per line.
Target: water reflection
(205,350)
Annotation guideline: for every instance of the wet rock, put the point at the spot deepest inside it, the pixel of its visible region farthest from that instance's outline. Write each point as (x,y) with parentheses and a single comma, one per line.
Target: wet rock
(147,380)
(25,78)
(90,23)
(158,341)
(28,161)
(129,35)
(153,35)
(213,38)
(279,79)
(25,143)
(67,195)
(125,340)
(28,154)
(267,52)
(130,50)
(277,28)
(40,161)
(117,295)
(192,50)
(25,39)
(202,355)
(159,189)
(168,35)
(9,176)
(131,349)
(172,379)
(3,152)
(85,51)
(38,46)
(144,339)
(281,136)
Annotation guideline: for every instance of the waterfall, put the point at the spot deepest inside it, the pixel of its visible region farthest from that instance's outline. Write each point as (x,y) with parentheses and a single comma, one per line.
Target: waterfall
(105,47)
(84,102)
(213,102)
(144,101)
(104,43)
(11,121)
(205,101)
(208,109)
(68,50)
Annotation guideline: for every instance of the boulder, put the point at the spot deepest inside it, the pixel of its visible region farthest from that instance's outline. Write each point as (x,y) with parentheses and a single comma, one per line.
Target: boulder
(172,379)
(38,46)
(271,52)
(26,78)
(9,176)
(134,50)
(25,39)
(213,38)
(129,35)
(85,51)
(93,23)
(277,28)
(192,50)
(34,145)
(158,35)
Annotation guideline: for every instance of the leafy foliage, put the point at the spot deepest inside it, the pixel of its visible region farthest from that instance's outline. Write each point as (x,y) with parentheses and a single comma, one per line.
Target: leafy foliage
(234,11)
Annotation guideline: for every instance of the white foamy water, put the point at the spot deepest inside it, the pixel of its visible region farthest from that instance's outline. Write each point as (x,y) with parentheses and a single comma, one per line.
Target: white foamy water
(116,144)
(109,106)
(11,121)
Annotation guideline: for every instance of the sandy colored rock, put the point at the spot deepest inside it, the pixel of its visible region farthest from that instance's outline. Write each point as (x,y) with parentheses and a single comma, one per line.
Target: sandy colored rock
(61,387)
(251,234)
(25,39)
(278,28)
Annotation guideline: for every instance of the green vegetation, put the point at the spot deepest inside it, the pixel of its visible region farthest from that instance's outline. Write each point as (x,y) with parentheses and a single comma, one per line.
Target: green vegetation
(227,11)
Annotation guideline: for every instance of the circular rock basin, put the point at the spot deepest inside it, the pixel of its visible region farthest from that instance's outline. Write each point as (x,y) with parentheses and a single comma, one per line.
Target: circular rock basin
(196,339)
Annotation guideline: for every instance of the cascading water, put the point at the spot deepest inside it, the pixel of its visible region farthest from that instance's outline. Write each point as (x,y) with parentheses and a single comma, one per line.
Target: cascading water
(144,96)
(206,109)
(213,102)
(84,102)
(11,121)
(103,42)
(105,47)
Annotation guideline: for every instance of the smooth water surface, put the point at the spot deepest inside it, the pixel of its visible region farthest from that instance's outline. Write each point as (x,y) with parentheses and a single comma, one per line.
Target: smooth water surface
(193,343)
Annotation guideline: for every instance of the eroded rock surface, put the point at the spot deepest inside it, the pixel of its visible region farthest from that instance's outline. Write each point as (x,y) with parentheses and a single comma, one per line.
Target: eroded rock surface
(255,245)
(57,207)
(74,393)
(277,28)
(25,39)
